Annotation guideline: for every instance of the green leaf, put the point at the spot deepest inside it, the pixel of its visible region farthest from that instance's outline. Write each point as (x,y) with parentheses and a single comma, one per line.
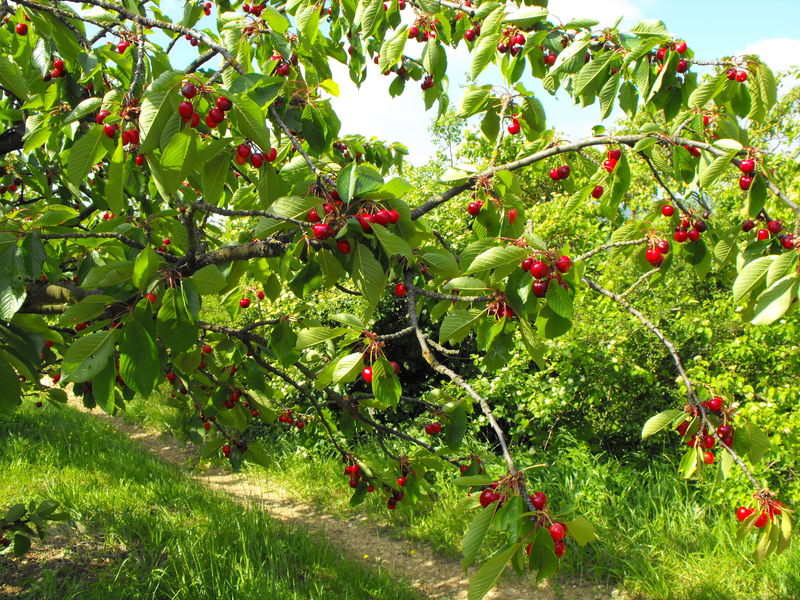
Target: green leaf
(757,196)
(658,422)
(160,102)
(312,336)
(385,384)
(11,397)
(85,152)
(392,244)
(472,284)
(250,121)
(483,53)
(83,109)
(87,356)
(474,100)
(499,256)
(581,530)
(759,443)
(489,573)
(559,301)
(391,52)
(607,95)
(208,280)
(348,368)
(144,267)
(85,310)
(688,463)
(775,301)
(368,276)
(524,17)
(115,186)
(713,170)
(138,360)
(176,162)
(12,79)
(543,559)
(458,323)
(174,324)
(476,533)
(750,276)
(456,427)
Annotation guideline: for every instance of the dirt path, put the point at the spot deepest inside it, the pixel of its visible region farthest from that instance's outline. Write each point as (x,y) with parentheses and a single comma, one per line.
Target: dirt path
(437,577)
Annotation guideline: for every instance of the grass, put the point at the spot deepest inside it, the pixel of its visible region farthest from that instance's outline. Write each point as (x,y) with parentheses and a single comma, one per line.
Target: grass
(154,533)
(662,538)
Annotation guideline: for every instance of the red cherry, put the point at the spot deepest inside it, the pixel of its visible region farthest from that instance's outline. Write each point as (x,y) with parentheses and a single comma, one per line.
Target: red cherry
(609,164)
(597,191)
(401,481)
(514,127)
(216,114)
(614,154)
(748,225)
(539,269)
(400,290)
(554,174)
(762,234)
(653,256)
(313,216)
(661,53)
(693,235)
(680,47)
(382,217)
(663,246)
(394,216)
(469,35)
(563,171)
(110,130)
(244,302)
(257,159)
(539,288)
(56,377)
(21,29)
(682,66)
(559,548)
(539,500)
(151,297)
(322,231)
(747,166)
(787,241)
(681,235)
(741,76)
(366,374)
(243,150)
(527,263)
(48,343)
(761,520)
(101,116)
(743,512)
(667,210)
(211,123)
(473,208)
(774,226)
(207,349)
(195,121)
(395,367)
(226,450)
(487,497)
(343,246)
(223,103)
(549,59)
(724,430)
(80,326)
(189,90)
(715,403)
(681,429)
(563,264)
(300,425)
(557,531)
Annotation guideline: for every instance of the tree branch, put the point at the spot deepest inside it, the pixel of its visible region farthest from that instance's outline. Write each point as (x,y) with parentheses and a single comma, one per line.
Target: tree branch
(605,247)
(297,146)
(681,371)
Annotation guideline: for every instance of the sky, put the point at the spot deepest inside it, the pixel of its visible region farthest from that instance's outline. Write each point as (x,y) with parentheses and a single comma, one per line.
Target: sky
(713,29)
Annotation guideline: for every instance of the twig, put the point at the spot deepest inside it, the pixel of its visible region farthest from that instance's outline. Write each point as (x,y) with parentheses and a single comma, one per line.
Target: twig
(453,297)
(639,281)
(297,146)
(605,247)
(249,213)
(661,182)
(139,70)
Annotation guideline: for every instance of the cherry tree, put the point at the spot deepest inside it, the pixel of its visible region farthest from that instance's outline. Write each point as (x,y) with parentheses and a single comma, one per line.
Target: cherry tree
(133,192)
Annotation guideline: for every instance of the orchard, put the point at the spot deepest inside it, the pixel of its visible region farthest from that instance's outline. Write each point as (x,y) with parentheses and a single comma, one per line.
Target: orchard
(134,195)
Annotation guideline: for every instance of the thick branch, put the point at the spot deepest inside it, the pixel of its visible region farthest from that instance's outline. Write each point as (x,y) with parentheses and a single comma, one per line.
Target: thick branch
(260,249)
(249,213)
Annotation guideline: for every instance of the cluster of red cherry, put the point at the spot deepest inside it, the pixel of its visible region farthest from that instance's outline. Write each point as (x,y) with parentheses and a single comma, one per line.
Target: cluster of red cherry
(130,136)
(512,42)
(772,227)
(680,48)
(703,437)
(286,417)
(544,273)
(689,228)
(216,114)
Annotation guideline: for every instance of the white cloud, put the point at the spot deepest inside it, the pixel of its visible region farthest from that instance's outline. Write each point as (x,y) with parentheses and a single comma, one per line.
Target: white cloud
(778,53)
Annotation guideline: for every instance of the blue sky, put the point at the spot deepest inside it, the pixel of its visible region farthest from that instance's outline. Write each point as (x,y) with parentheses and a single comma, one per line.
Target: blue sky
(713,28)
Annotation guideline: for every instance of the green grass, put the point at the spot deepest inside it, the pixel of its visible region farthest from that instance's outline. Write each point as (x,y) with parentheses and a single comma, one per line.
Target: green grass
(163,535)
(662,538)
